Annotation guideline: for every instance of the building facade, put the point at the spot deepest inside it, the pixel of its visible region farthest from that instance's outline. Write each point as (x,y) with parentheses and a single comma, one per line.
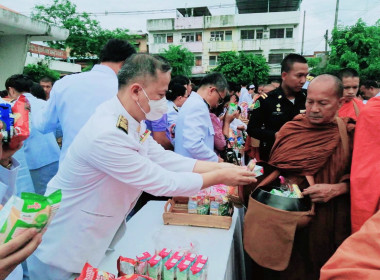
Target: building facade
(272,35)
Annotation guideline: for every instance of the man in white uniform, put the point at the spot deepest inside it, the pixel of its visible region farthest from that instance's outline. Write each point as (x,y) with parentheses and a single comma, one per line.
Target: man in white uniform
(110,162)
(194,133)
(74,98)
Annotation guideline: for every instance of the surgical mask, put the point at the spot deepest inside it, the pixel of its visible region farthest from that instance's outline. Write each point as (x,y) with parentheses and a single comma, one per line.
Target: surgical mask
(157,108)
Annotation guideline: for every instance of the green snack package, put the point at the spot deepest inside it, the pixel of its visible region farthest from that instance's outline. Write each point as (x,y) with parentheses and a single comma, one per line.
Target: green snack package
(30,211)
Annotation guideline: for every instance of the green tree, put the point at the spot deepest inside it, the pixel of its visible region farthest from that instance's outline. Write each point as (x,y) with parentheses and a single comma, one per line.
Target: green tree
(181,60)
(86,35)
(357,47)
(243,67)
(40,70)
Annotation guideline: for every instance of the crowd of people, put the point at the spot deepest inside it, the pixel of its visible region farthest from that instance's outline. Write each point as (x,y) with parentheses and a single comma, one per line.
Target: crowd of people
(128,127)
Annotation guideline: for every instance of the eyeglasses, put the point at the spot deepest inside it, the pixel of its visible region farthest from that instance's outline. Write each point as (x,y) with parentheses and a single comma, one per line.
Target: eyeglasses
(220,101)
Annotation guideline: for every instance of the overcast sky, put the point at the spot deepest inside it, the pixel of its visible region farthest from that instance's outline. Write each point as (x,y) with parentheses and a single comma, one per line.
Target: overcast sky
(319,13)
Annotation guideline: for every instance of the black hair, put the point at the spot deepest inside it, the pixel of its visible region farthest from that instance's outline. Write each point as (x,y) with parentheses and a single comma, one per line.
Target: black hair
(289,60)
(215,79)
(3,93)
(139,66)
(239,109)
(175,90)
(47,80)
(370,83)
(347,73)
(37,91)
(180,79)
(20,82)
(237,97)
(116,50)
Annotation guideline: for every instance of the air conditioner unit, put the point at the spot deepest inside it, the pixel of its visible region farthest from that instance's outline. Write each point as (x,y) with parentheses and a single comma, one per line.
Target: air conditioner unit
(212,39)
(265,35)
(217,39)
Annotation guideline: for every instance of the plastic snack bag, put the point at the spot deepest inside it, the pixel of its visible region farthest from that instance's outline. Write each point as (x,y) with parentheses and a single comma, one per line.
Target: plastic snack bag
(91,273)
(30,211)
(126,266)
(142,263)
(21,111)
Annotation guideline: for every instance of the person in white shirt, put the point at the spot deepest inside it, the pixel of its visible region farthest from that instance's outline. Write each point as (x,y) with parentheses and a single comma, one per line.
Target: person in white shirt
(194,133)
(110,162)
(176,96)
(246,95)
(74,98)
(41,150)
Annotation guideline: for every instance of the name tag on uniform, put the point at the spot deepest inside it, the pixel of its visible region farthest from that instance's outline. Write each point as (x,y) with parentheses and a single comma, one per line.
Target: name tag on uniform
(277,113)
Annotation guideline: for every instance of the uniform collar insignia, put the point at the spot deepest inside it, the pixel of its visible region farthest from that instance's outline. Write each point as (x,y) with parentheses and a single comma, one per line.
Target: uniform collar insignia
(122,123)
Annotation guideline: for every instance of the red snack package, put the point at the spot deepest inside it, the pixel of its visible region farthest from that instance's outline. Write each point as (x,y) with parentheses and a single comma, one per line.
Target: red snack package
(91,273)
(126,266)
(21,111)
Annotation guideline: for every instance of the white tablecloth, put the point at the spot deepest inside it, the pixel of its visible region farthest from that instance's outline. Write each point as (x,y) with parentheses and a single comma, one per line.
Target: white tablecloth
(146,232)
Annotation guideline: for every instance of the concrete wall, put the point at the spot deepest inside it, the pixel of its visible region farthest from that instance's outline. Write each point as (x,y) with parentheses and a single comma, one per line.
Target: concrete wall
(59,66)
(13,49)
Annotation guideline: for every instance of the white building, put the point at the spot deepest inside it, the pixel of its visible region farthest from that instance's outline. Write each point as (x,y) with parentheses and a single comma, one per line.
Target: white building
(271,34)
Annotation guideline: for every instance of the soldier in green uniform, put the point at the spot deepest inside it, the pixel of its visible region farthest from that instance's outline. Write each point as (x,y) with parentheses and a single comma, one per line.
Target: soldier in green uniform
(282,104)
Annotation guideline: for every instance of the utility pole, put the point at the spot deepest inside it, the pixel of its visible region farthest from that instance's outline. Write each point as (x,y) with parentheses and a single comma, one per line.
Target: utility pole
(336,13)
(326,37)
(303,31)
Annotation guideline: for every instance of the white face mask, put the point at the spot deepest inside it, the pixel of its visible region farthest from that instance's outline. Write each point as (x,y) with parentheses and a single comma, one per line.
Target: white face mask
(157,108)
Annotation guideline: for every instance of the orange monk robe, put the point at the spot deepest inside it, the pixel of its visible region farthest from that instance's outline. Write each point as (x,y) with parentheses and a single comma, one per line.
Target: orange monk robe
(359,255)
(365,169)
(348,109)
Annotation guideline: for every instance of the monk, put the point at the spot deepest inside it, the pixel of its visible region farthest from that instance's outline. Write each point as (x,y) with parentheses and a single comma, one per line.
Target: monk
(351,106)
(365,171)
(316,144)
(358,257)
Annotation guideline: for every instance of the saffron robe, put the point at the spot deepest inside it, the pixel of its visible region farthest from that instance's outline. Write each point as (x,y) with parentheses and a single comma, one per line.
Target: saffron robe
(359,256)
(351,109)
(365,171)
(301,149)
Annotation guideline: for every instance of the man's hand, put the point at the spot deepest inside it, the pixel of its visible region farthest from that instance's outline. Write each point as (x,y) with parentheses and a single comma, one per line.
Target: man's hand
(17,250)
(325,192)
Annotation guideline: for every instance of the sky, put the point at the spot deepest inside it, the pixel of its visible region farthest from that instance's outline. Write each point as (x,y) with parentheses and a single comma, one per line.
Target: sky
(319,14)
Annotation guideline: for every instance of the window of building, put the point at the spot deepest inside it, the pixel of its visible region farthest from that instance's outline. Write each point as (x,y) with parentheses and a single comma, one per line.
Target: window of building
(228,35)
(275,58)
(198,60)
(187,37)
(159,38)
(276,33)
(289,32)
(198,36)
(213,60)
(259,33)
(169,38)
(217,36)
(247,34)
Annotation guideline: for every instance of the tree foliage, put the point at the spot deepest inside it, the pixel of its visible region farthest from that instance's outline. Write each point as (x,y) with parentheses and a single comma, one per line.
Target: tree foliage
(40,70)
(86,35)
(180,59)
(243,67)
(357,47)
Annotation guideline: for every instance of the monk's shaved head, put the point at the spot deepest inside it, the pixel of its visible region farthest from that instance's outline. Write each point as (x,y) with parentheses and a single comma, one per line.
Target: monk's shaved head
(326,79)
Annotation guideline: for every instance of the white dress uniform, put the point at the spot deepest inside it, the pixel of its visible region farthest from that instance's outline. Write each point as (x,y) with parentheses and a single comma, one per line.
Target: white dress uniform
(245,97)
(106,169)
(73,100)
(194,133)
